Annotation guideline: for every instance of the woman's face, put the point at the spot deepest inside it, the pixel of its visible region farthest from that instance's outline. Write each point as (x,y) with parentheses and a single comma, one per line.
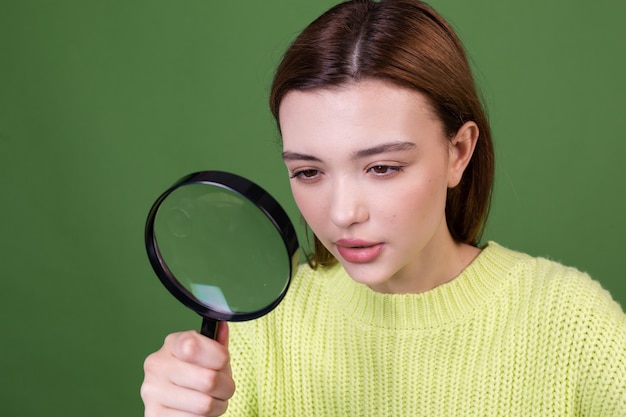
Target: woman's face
(370,166)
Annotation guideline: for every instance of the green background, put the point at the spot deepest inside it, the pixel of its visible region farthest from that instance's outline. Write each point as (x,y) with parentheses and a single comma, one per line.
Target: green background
(103,104)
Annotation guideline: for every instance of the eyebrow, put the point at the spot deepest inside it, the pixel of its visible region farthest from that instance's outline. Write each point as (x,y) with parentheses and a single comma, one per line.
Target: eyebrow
(294,156)
(363,153)
(384,148)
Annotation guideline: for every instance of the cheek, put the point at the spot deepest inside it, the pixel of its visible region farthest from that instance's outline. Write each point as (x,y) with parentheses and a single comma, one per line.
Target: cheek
(307,203)
(416,201)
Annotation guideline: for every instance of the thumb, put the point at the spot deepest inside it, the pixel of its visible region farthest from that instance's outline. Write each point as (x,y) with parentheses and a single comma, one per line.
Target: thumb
(222,333)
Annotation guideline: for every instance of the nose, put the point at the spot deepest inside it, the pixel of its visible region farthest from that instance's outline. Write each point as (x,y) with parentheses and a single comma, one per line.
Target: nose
(348,205)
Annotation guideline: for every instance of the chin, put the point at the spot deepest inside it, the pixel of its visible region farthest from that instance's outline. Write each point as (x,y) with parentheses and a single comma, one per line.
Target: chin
(366,274)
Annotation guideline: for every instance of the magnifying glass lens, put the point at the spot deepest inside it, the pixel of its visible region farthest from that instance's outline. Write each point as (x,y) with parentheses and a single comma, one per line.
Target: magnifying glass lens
(221,248)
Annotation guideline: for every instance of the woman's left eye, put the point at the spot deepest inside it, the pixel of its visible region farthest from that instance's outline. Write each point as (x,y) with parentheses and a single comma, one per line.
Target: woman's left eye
(383,170)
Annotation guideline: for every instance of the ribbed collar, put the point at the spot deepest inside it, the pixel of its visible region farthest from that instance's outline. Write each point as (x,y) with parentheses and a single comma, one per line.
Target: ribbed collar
(450,302)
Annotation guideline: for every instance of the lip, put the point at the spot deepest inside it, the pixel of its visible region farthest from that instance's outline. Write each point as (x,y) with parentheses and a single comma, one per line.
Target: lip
(358,251)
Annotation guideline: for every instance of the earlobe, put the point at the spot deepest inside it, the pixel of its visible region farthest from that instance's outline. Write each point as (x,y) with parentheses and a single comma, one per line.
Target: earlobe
(461,150)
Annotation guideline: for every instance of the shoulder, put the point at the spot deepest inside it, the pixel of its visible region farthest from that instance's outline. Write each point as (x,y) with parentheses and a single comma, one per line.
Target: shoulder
(562,294)
(547,276)
(571,318)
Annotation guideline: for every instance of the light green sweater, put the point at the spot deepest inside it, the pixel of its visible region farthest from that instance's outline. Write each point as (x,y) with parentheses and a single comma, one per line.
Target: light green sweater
(511,336)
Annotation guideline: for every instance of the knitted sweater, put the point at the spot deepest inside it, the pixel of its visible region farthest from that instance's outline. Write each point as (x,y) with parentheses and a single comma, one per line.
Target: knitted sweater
(512,335)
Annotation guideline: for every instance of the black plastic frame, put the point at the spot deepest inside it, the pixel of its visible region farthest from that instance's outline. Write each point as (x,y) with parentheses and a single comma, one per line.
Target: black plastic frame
(254,193)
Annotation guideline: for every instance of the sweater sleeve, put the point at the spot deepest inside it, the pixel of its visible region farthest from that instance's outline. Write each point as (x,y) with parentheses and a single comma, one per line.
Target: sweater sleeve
(604,385)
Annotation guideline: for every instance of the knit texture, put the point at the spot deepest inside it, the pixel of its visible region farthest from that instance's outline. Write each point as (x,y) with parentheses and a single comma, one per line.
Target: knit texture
(512,335)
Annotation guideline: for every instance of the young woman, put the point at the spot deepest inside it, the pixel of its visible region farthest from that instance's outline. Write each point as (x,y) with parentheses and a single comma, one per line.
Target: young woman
(399,311)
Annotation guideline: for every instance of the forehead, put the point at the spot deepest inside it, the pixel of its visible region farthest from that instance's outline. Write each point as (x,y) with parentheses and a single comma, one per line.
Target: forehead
(368,92)
(363,111)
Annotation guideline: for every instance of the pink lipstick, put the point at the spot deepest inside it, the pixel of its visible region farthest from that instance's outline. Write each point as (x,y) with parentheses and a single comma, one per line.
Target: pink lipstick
(358,251)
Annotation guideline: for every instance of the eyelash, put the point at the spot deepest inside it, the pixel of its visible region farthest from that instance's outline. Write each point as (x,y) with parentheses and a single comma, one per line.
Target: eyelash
(302,174)
(312,174)
(387,168)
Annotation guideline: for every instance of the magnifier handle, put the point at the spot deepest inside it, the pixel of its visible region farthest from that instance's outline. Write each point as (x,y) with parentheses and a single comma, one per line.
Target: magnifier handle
(209,328)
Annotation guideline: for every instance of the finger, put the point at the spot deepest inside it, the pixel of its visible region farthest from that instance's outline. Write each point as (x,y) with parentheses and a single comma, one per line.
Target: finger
(181,401)
(192,347)
(160,411)
(218,384)
(222,334)
(166,412)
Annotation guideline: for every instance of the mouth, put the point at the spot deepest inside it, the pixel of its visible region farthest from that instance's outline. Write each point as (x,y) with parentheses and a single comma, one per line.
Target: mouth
(358,251)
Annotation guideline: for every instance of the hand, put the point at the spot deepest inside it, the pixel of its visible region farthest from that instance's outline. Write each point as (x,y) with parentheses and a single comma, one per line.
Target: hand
(189,376)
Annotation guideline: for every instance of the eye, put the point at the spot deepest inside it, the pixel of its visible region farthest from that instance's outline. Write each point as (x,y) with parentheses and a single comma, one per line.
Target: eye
(305,174)
(384,170)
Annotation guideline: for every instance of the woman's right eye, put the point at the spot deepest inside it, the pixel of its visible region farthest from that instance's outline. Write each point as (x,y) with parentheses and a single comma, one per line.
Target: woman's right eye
(305,174)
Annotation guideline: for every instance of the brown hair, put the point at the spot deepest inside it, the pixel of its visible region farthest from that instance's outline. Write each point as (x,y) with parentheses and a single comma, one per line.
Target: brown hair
(407,43)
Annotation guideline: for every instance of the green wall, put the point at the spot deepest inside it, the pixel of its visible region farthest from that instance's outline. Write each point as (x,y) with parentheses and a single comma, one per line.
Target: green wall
(103,104)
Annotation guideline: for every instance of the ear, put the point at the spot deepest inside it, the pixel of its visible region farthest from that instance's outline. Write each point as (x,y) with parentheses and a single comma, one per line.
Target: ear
(461,150)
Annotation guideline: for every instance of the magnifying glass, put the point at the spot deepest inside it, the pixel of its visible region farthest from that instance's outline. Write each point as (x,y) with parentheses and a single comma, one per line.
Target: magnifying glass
(222,246)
